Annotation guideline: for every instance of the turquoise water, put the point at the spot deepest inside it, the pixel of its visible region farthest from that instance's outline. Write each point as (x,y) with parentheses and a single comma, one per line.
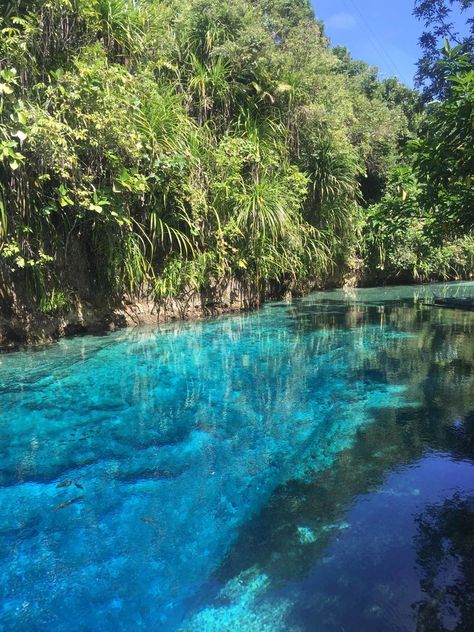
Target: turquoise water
(306,467)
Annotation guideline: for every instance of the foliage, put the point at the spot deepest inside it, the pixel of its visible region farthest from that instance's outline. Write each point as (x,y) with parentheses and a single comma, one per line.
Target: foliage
(423,227)
(437,17)
(163,147)
(444,153)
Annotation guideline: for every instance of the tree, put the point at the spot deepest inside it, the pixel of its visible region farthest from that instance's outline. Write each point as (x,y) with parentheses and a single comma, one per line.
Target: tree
(444,153)
(438,19)
(423,226)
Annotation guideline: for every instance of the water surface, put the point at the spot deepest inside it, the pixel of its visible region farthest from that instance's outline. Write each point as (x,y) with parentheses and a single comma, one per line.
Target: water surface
(307,467)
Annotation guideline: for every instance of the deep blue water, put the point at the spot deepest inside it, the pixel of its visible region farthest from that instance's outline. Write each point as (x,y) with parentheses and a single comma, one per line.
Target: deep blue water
(308,467)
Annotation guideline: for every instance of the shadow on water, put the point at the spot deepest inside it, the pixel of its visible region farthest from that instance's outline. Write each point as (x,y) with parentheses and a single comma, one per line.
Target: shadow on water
(445,555)
(273,539)
(295,534)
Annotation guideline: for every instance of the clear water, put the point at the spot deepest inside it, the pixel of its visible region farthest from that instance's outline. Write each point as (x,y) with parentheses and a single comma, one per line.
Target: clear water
(307,467)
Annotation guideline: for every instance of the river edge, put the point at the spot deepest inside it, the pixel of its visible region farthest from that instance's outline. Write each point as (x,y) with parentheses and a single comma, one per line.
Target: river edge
(22,326)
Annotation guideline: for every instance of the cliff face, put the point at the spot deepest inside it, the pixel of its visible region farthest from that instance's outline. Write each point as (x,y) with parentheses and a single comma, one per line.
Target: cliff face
(22,322)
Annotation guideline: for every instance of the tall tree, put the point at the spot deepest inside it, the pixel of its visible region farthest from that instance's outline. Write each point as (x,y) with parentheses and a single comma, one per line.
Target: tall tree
(438,17)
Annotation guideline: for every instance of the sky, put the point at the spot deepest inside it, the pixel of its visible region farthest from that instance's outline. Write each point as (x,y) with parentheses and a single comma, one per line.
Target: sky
(383,33)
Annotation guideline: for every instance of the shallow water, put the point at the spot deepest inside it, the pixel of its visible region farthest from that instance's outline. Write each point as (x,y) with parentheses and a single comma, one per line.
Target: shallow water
(307,467)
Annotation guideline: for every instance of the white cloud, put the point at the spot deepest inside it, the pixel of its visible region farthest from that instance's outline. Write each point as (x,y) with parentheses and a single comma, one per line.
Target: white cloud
(342,20)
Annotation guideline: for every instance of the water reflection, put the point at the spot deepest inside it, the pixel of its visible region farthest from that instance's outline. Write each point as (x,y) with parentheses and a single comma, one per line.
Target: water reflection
(445,555)
(294,530)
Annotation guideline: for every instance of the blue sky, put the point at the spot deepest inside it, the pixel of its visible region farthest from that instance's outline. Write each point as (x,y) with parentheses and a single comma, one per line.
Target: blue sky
(383,33)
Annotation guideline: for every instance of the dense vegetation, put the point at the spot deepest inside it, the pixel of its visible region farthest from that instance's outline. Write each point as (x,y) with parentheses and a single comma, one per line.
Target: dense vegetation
(174,144)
